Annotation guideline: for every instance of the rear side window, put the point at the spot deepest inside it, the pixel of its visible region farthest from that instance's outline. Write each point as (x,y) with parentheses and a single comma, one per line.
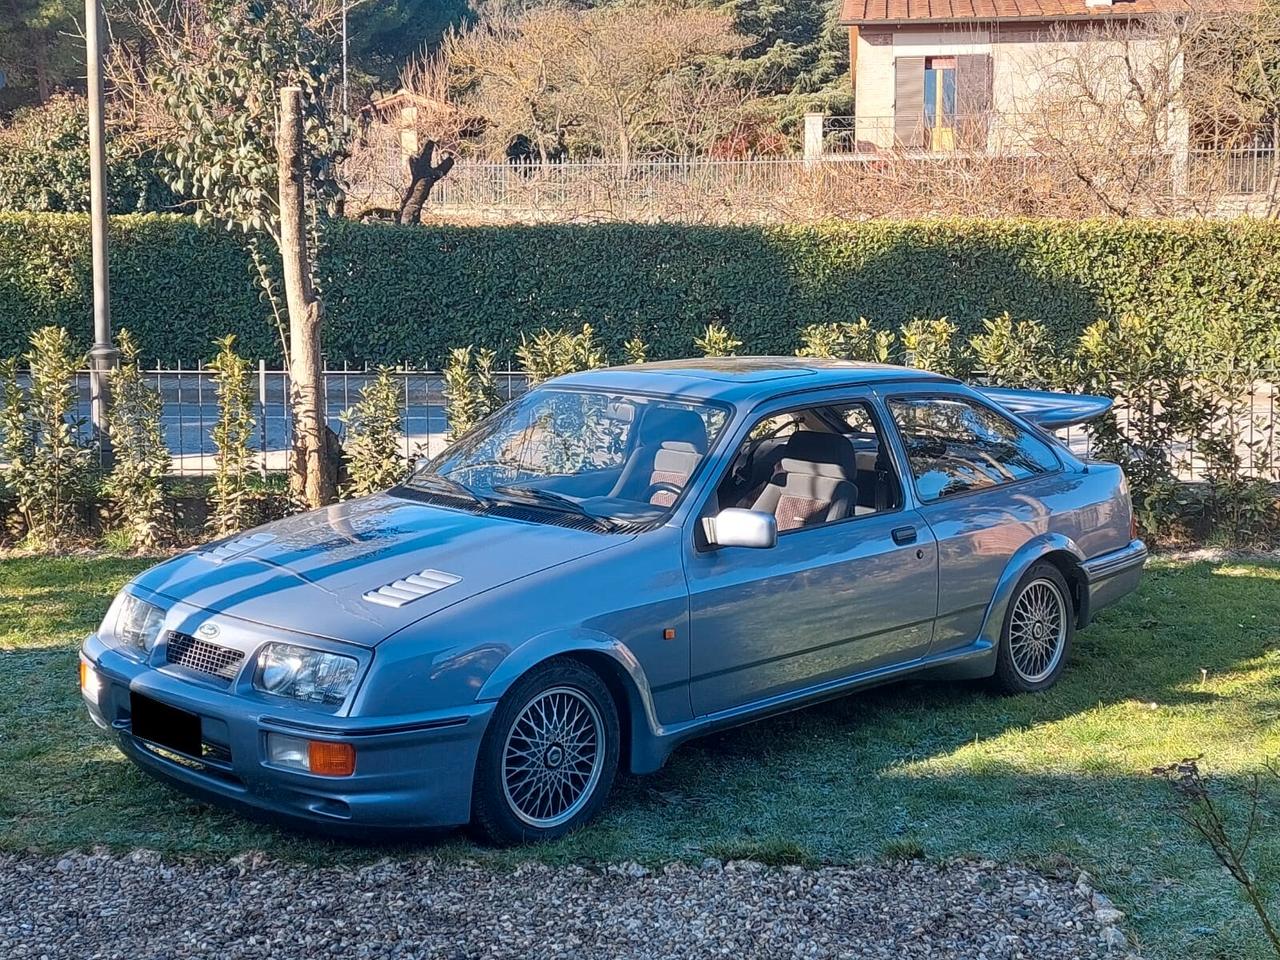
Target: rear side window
(955,445)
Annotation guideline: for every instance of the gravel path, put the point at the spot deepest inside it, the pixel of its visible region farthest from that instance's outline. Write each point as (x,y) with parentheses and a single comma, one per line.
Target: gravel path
(139,907)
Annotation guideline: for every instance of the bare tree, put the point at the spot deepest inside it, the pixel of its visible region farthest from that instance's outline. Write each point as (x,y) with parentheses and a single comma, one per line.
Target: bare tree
(509,67)
(1144,115)
(626,65)
(603,81)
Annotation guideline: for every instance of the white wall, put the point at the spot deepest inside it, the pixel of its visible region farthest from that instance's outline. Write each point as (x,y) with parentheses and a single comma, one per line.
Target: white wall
(1021,63)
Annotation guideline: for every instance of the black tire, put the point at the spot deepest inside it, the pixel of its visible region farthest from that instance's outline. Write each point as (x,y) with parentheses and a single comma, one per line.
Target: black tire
(503,814)
(1018,656)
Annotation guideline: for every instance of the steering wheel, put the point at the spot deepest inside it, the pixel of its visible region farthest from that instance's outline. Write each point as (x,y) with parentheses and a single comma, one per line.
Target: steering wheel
(662,486)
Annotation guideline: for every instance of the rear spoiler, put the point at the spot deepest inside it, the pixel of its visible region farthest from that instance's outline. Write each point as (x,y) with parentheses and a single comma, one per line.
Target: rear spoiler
(1051,411)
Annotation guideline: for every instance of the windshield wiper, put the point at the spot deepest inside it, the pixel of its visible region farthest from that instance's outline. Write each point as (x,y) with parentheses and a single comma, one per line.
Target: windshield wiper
(452,486)
(552,501)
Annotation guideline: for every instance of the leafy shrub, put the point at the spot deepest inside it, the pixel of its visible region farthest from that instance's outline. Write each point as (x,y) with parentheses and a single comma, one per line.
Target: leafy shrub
(717,341)
(374,433)
(553,353)
(135,485)
(1016,354)
(470,391)
(1239,508)
(931,345)
(48,463)
(636,350)
(230,503)
(856,340)
(44,163)
(1131,360)
(179,286)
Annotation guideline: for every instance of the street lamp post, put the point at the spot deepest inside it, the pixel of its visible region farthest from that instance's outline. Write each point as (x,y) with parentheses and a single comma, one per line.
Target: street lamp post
(103,355)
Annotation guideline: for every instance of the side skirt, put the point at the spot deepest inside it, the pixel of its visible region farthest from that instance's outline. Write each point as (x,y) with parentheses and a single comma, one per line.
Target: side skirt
(973,661)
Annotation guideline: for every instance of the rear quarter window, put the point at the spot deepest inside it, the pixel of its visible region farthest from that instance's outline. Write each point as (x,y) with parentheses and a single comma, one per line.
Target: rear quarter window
(955,445)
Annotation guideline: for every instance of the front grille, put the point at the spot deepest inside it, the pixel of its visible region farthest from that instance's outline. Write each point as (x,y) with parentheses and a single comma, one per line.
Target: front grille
(202,656)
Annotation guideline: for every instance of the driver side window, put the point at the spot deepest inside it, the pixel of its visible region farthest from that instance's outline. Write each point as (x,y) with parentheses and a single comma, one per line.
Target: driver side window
(812,466)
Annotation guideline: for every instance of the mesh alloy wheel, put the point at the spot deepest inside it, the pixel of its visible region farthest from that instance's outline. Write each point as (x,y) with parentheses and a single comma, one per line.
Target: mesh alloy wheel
(1038,630)
(552,757)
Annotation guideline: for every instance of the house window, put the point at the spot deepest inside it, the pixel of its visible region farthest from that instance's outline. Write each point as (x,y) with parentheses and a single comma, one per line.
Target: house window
(940,102)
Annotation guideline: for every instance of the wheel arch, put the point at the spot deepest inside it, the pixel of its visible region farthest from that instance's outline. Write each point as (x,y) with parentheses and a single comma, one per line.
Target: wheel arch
(1055,548)
(616,665)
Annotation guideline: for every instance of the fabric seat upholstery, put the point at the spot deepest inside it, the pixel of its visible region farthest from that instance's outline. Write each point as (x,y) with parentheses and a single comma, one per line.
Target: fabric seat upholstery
(814,483)
(671,444)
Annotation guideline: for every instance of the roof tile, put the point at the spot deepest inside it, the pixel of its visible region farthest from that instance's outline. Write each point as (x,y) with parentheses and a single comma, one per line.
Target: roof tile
(873,11)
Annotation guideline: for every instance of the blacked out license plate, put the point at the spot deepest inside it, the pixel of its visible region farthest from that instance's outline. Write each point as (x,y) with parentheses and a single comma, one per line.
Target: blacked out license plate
(165,725)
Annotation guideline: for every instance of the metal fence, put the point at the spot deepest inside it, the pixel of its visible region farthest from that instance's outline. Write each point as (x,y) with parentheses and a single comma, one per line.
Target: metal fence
(584,190)
(883,149)
(1251,421)
(191,411)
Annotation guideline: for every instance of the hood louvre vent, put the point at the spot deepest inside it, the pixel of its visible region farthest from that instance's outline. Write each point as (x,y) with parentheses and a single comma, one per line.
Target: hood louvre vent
(413,587)
(237,547)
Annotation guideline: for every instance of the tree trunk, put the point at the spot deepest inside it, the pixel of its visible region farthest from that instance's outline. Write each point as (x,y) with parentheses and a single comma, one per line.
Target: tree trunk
(624,146)
(44,85)
(423,175)
(313,470)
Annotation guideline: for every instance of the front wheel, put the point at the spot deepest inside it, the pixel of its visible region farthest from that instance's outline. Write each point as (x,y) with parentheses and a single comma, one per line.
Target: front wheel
(549,756)
(1038,629)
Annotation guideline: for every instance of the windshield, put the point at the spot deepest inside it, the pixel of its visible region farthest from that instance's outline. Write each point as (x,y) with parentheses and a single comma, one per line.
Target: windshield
(616,458)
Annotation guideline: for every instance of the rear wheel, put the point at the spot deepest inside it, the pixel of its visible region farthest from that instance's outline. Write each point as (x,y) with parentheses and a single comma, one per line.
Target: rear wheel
(549,757)
(1039,626)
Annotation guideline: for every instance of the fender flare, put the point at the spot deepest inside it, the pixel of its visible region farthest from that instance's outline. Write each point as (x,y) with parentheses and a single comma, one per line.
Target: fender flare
(1022,560)
(646,730)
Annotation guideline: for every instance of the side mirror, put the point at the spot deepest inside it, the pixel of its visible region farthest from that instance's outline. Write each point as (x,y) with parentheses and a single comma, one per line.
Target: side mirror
(735,527)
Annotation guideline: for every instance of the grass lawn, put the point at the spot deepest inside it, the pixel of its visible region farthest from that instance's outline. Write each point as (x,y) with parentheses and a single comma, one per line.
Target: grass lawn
(1057,781)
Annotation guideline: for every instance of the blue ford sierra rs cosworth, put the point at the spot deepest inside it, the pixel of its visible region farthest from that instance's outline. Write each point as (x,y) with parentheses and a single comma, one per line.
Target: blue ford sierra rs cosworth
(613,563)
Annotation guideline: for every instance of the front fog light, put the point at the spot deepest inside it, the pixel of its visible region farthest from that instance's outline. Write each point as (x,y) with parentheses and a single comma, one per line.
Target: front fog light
(287,751)
(323,757)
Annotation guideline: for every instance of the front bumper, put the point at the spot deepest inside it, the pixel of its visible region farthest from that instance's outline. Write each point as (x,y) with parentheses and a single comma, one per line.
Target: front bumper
(1111,576)
(410,772)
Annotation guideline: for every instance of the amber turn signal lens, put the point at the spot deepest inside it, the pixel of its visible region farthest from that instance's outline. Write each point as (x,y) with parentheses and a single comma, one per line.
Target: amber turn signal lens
(330,759)
(84,673)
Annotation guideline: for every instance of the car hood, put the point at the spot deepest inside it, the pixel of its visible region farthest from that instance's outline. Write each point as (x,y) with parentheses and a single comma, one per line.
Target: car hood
(310,573)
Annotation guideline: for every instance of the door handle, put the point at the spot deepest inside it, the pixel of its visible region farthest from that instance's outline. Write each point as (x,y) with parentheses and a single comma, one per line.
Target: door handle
(903,535)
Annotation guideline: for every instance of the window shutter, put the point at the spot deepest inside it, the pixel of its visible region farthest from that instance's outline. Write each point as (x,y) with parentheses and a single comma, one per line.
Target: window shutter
(908,101)
(973,99)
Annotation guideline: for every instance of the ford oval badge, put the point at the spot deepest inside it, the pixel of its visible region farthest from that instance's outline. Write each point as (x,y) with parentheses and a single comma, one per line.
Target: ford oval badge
(208,630)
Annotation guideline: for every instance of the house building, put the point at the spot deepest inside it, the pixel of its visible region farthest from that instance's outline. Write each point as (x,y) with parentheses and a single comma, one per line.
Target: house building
(936,75)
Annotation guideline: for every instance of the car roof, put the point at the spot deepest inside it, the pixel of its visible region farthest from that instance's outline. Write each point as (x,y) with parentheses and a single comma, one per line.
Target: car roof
(739,378)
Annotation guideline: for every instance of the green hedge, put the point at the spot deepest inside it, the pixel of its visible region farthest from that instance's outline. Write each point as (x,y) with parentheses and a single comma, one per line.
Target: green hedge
(408,294)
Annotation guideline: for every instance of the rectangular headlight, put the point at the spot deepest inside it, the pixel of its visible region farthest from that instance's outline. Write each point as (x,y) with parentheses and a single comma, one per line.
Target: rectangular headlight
(138,623)
(314,676)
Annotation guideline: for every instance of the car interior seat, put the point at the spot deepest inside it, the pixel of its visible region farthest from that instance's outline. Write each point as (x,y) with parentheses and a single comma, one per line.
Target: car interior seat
(671,444)
(814,482)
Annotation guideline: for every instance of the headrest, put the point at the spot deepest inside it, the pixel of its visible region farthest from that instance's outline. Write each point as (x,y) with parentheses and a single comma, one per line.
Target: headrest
(667,426)
(676,458)
(825,454)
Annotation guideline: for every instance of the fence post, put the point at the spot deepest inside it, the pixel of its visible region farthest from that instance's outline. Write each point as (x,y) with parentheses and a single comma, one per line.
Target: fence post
(262,418)
(813,137)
